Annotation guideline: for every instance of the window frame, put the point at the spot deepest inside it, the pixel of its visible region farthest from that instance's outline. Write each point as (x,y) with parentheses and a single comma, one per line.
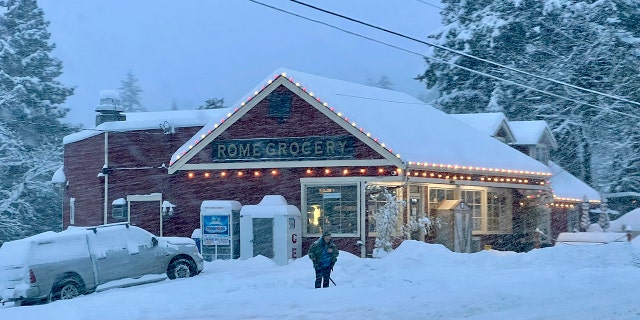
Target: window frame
(369,215)
(505,219)
(306,183)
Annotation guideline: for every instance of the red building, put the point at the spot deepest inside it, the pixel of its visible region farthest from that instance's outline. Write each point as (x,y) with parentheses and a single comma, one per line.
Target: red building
(306,138)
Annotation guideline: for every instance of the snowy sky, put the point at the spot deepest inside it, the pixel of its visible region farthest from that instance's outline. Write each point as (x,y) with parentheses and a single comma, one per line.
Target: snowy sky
(196,50)
(417,281)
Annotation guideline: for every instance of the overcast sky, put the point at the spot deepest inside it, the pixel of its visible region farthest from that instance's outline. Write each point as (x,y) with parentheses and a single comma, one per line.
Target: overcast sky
(190,51)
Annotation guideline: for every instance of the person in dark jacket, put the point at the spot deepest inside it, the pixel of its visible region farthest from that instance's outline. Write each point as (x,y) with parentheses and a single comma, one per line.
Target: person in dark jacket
(324,255)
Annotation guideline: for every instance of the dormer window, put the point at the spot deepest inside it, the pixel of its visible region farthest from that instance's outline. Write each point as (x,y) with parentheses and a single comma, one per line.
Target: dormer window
(541,153)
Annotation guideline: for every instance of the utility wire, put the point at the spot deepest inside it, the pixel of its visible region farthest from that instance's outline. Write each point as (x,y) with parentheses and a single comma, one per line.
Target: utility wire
(446,62)
(463,53)
(429,4)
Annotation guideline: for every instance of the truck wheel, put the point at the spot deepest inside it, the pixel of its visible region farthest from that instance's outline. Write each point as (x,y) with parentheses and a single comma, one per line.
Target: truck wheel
(67,288)
(181,268)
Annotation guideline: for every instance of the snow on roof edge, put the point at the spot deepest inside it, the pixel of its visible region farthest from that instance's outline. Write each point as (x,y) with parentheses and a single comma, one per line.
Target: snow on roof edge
(566,186)
(150,120)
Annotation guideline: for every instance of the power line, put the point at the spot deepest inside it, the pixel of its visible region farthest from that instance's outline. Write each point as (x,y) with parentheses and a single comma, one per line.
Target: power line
(429,4)
(446,62)
(464,54)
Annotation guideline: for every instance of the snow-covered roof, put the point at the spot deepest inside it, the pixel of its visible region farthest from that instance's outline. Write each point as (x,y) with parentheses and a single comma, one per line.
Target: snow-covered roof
(269,207)
(569,188)
(532,132)
(489,123)
(629,221)
(151,120)
(229,205)
(58,176)
(407,127)
(577,238)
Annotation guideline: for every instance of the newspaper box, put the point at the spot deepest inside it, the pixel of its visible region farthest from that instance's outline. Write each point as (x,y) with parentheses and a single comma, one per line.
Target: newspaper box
(220,225)
(272,229)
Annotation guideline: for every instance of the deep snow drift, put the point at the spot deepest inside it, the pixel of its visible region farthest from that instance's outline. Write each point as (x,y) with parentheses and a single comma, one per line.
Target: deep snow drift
(416,281)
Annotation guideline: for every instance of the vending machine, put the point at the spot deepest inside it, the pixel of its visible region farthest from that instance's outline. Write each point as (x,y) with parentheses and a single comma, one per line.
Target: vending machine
(272,229)
(220,226)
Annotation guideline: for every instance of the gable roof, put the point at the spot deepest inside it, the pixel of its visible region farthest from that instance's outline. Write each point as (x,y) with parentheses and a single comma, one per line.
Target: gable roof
(532,132)
(490,123)
(409,129)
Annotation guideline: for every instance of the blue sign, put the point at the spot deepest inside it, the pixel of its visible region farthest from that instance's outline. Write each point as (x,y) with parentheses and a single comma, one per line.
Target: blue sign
(216,230)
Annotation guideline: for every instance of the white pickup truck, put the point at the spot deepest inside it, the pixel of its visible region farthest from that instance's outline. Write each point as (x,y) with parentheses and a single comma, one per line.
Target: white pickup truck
(62,265)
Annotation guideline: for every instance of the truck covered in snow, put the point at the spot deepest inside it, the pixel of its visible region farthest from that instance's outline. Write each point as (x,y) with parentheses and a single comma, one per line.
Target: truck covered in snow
(62,265)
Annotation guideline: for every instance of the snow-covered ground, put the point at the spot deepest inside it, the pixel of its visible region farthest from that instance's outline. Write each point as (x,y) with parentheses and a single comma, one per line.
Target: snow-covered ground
(417,281)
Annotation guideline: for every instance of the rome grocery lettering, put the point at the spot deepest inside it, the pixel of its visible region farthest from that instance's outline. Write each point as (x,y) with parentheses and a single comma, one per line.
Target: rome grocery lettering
(340,147)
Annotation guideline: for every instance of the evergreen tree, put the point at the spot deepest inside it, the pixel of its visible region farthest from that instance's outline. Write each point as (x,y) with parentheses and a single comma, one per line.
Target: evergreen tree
(386,218)
(384,82)
(213,103)
(31,95)
(130,94)
(31,130)
(594,45)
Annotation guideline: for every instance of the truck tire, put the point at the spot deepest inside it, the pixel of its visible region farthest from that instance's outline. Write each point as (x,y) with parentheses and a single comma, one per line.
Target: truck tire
(181,268)
(67,288)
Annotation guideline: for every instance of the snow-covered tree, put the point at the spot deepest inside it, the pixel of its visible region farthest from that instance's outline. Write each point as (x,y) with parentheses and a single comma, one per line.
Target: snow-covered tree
(31,130)
(589,44)
(213,103)
(130,94)
(603,218)
(418,228)
(30,95)
(584,214)
(383,82)
(174,106)
(386,221)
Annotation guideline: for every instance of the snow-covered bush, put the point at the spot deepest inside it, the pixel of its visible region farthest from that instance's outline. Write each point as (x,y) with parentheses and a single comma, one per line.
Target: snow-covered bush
(386,218)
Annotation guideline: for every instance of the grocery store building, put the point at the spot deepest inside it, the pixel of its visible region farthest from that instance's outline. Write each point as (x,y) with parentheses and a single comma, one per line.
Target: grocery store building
(329,147)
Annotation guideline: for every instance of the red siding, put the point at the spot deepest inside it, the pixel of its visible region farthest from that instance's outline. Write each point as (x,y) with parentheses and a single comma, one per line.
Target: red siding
(136,158)
(304,121)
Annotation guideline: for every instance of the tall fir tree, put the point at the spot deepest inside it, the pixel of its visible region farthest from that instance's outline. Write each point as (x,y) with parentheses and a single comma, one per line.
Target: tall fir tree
(31,130)
(213,103)
(594,45)
(383,82)
(130,94)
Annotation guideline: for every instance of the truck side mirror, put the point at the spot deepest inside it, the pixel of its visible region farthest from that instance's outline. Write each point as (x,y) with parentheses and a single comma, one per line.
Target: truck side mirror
(154,241)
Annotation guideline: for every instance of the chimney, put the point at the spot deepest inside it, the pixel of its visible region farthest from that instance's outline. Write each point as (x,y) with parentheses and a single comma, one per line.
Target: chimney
(109,108)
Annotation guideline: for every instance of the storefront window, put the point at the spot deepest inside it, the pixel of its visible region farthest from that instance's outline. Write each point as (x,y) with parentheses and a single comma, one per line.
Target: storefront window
(473,199)
(375,200)
(436,195)
(332,207)
(496,211)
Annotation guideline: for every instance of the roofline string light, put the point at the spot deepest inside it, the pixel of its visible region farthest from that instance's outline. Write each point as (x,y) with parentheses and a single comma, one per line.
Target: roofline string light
(474,168)
(453,176)
(352,123)
(575,200)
